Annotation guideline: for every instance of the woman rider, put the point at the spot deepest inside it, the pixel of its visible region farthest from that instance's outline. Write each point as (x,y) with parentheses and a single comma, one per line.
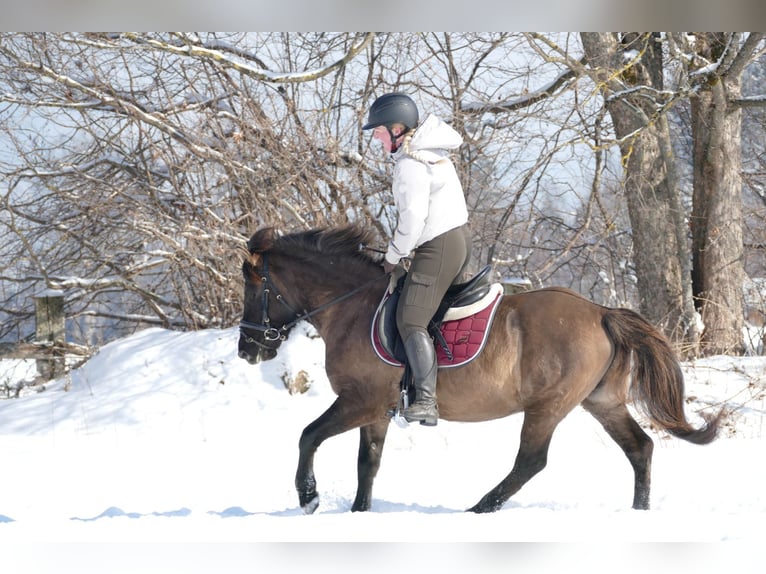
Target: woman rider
(431,221)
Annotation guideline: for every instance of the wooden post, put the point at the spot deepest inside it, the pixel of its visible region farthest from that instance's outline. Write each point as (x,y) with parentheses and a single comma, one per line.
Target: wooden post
(50,329)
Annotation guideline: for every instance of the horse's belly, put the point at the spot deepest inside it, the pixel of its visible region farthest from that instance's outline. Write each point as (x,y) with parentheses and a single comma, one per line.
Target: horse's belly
(474,415)
(463,400)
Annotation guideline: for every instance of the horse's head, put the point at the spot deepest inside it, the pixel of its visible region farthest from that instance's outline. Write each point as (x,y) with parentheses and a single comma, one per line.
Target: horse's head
(309,270)
(267,318)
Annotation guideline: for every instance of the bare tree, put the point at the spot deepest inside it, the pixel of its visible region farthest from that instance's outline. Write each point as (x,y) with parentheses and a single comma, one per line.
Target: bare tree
(717,64)
(708,70)
(142,161)
(628,70)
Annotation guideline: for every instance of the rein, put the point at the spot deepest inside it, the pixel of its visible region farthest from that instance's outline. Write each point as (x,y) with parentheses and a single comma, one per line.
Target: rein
(273,333)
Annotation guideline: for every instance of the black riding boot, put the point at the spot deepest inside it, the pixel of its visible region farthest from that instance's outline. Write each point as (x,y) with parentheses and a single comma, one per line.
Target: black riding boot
(421,357)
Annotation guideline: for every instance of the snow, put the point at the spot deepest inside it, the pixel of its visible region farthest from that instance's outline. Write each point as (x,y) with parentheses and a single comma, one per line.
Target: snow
(167,443)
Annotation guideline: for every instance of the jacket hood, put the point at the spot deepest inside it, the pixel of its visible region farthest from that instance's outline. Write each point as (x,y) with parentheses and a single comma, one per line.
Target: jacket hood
(430,140)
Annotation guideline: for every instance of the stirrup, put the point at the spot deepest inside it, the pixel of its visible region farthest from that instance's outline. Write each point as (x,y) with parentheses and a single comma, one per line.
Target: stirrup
(395,413)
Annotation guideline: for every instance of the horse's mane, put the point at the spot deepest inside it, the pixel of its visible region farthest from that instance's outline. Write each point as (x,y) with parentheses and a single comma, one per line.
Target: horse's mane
(341,241)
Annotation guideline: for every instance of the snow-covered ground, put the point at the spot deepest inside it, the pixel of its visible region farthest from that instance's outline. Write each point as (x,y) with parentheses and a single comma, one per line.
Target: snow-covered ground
(167,437)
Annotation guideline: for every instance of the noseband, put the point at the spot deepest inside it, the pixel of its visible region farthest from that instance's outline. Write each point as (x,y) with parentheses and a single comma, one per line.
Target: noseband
(271,333)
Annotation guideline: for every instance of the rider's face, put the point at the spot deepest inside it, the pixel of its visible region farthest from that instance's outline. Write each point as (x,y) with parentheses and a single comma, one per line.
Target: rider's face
(382,134)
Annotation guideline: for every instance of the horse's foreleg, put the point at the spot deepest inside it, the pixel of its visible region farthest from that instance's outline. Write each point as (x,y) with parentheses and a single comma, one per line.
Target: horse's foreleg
(634,442)
(532,457)
(330,423)
(371,440)
(305,483)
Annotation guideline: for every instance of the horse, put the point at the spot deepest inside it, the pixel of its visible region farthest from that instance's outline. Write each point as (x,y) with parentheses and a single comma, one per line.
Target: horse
(548,351)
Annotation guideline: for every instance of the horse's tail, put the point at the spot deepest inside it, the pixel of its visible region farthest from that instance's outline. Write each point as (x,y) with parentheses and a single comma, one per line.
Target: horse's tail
(657,386)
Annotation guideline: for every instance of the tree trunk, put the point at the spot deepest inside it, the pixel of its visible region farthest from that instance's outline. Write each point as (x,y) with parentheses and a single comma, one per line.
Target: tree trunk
(650,186)
(654,238)
(716,222)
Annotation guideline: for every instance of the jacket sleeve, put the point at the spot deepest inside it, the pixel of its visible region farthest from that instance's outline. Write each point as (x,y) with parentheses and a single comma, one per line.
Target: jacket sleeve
(411,190)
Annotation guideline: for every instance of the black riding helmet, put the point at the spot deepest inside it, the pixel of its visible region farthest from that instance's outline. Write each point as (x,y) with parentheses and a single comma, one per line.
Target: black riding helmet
(393,108)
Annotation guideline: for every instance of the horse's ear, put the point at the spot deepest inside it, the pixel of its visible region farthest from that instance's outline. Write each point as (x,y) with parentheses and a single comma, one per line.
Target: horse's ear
(240,251)
(262,240)
(255,259)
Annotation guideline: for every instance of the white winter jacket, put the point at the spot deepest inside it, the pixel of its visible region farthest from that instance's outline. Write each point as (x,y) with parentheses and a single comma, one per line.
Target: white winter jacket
(427,192)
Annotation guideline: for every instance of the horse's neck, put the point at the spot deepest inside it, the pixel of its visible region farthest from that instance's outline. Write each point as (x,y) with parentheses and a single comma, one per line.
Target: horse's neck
(326,288)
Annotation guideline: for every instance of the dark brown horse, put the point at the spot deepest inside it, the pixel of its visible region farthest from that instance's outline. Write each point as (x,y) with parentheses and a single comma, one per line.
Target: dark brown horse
(548,351)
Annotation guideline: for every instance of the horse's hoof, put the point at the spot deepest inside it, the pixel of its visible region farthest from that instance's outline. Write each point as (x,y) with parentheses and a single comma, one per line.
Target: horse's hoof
(483,508)
(311,505)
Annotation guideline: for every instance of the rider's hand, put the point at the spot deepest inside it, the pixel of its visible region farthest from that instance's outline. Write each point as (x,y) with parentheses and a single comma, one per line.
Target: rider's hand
(395,272)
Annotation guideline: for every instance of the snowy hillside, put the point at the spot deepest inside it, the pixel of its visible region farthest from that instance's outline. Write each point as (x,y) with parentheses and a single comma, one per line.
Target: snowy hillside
(168,437)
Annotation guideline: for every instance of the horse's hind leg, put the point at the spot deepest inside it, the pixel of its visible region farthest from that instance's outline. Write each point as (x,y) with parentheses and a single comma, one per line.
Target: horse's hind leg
(371,440)
(638,447)
(532,457)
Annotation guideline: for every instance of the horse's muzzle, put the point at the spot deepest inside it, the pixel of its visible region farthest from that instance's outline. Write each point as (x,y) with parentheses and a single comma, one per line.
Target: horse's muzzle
(254,352)
(253,358)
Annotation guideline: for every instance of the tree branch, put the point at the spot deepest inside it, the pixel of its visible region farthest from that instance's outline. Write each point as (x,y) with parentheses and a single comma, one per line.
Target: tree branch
(744,55)
(525,101)
(256,73)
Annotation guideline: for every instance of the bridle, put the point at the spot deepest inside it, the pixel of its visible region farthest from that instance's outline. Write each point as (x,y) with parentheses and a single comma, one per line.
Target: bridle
(272,333)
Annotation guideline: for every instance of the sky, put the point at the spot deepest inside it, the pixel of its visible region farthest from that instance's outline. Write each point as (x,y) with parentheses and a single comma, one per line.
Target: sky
(165,452)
